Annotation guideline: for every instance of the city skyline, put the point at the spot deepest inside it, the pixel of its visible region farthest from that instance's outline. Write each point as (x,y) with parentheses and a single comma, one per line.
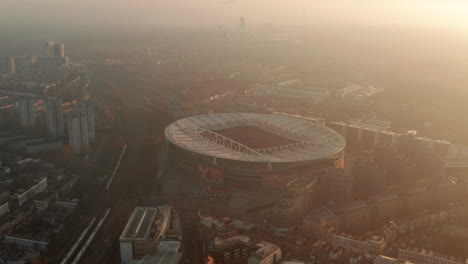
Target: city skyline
(429,12)
(234,132)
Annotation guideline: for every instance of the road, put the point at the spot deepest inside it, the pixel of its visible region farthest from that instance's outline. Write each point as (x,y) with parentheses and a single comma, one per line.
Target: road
(135,177)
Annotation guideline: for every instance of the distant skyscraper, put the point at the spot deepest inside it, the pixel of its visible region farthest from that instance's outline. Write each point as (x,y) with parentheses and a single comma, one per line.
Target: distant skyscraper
(59,50)
(10,66)
(78,136)
(242,23)
(50,49)
(87,109)
(54,117)
(27,112)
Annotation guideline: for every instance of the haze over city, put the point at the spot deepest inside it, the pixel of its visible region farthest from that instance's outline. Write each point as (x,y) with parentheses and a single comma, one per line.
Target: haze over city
(234,132)
(432,13)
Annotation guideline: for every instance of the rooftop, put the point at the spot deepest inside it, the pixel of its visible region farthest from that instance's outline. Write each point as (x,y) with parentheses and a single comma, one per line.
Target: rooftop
(161,257)
(265,249)
(415,190)
(358,90)
(433,254)
(220,242)
(208,222)
(388,260)
(147,223)
(383,198)
(357,205)
(12,253)
(372,124)
(43,142)
(41,237)
(320,216)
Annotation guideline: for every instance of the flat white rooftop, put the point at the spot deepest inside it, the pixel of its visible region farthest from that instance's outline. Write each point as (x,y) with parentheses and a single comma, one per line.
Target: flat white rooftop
(143,219)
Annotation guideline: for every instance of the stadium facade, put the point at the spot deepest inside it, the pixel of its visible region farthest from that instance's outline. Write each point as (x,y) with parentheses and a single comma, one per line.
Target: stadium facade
(252,150)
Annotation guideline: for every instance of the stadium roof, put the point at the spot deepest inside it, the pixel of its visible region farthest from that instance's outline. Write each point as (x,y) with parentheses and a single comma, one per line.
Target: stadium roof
(197,134)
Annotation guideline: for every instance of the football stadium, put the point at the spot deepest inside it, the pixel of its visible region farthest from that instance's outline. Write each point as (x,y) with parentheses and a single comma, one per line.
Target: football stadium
(251,150)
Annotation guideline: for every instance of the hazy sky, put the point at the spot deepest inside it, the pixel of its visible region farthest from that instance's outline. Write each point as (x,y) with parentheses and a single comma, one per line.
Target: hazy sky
(205,12)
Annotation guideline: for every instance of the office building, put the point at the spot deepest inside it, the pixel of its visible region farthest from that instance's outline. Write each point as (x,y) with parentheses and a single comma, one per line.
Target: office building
(336,186)
(357,244)
(417,153)
(402,171)
(357,92)
(440,148)
(149,233)
(416,199)
(19,199)
(383,155)
(455,229)
(385,207)
(78,136)
(429,166)
(438,170)
(369,178)
(87,110)
(59,50)
(294,202)
(398,168)
(320,224)
(9,65)
(265,253)
(27,112)
(447,193)
(50,49)
(225,241)
(33,243)
(54,117)
(410,146)
(363,134)
(435,169)
(425,256)
(355,216)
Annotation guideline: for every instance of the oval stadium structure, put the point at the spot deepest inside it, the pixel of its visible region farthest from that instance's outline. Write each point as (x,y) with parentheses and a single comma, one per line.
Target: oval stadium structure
(252,150)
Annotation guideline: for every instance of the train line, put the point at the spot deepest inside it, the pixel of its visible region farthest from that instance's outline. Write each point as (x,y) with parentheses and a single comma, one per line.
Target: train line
(78,242)
(90,239)
(116,168)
